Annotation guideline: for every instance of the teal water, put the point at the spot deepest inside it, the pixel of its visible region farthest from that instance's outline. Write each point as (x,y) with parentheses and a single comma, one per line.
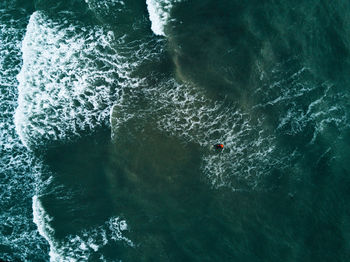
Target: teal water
(110,110)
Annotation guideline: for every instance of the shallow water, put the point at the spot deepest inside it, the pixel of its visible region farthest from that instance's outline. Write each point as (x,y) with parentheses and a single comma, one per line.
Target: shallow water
(110,110)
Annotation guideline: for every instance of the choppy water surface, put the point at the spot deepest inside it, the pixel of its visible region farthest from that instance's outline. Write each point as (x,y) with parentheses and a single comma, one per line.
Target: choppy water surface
(110,110)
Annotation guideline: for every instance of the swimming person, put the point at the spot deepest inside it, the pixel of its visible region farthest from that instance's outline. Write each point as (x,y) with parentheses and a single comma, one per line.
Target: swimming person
(219,146)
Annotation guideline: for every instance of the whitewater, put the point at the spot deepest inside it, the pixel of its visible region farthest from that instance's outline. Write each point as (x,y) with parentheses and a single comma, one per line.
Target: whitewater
(110,110)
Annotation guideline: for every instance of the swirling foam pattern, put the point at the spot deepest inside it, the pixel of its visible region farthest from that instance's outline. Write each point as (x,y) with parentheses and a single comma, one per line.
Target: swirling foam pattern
(67,81)
(19,239)
(83,245)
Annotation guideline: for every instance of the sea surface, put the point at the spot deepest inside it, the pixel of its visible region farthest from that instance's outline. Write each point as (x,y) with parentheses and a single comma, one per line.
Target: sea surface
(110,110)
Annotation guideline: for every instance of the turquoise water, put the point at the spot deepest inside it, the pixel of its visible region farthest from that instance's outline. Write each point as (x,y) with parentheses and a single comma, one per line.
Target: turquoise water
(110,110)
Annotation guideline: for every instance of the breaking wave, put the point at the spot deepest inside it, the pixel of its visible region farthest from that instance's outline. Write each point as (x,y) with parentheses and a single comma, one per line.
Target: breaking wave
(77,77)
(18,169)
(83,246)
(71,76)
(62,89)
(159,14)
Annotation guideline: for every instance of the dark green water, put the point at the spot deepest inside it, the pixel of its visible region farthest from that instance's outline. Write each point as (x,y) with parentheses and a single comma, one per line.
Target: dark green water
(116,106)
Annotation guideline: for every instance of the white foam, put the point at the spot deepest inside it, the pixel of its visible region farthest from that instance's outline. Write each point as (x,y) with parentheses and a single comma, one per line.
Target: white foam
(81,246)
(17,168)
(184,111)
(70,76)
(42,221)
(159,14)
(105,7)
(248,145)
(302,101)
(116,227)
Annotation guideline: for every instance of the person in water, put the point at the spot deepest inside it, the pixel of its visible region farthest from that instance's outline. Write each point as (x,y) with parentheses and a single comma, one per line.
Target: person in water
(219,146)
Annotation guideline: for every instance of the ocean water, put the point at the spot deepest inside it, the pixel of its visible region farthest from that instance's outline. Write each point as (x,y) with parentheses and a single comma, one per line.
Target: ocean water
(110,110)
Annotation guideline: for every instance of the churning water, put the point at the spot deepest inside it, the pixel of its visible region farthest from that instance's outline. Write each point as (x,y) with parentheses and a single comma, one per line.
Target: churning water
(110,110)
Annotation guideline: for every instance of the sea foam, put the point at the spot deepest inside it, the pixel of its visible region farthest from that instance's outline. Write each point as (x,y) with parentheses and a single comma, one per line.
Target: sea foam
(106,7)
(159,14)
(18,235)
(305,103)
(82,246)
(68,81)
(184,110)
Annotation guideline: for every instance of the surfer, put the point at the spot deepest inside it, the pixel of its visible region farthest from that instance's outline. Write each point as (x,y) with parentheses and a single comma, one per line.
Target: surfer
(219,146)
